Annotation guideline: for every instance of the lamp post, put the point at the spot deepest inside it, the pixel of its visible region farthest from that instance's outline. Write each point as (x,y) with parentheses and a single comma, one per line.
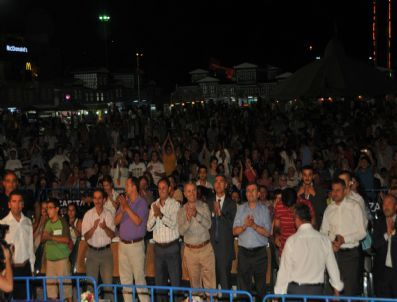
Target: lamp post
(138,56)
(104,19)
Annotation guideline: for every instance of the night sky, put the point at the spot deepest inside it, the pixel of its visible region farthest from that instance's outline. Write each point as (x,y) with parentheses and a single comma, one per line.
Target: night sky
(179,36)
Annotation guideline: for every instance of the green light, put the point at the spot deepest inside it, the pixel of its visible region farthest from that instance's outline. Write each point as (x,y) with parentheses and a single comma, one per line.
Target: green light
(104,18)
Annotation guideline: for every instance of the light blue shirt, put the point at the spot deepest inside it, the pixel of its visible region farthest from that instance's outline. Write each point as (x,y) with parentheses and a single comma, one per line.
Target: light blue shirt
(250,238)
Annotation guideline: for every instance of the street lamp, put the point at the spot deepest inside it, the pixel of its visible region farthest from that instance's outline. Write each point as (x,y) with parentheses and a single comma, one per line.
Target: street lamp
(104,19)
(138,56)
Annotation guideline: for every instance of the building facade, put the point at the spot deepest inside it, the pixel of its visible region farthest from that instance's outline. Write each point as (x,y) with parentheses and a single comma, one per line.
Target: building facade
(248,84)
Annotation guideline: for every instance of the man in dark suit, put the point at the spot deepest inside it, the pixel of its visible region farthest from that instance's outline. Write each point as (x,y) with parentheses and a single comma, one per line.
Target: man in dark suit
(385,244)
(223,210)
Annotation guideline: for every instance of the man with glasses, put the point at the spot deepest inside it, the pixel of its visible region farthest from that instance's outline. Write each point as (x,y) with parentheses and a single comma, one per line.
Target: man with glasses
(56,236)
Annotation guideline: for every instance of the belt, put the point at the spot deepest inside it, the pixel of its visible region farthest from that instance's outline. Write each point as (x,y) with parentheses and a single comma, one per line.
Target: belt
(307,284)
(131,241)
(20,264)
(167,244)
(99,248)
(348,249)
(197,246)
(255,249)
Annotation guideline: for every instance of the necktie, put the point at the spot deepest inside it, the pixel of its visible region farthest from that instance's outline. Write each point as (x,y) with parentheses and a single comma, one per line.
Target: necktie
(217,222)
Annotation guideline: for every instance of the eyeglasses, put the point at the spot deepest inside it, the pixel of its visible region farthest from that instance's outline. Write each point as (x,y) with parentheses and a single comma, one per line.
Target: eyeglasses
(50,208)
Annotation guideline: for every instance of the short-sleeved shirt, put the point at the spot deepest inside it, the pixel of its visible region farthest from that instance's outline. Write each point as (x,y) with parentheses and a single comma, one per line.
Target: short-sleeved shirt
(128,229)
(250,238)
(286,217)
(55,250)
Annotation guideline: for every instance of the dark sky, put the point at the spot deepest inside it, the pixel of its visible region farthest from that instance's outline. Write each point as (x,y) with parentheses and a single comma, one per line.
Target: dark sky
(179,36)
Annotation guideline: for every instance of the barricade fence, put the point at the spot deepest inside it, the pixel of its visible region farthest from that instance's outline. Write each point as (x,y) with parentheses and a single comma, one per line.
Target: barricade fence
(31,282)
(305,298)
(169,292)
(172,293)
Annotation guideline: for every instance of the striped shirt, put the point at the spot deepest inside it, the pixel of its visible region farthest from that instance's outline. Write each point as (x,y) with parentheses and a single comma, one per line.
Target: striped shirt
(164,229)
(286,217)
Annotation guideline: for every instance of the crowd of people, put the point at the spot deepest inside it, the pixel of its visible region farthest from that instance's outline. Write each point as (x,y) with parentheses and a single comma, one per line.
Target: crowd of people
(267,176)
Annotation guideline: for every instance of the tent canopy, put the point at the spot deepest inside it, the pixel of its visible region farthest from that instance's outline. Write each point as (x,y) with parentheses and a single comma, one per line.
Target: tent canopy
(335,75)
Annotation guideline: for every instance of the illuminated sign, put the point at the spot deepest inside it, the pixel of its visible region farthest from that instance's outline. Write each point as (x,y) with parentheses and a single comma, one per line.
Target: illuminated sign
(12,48)
(28,66)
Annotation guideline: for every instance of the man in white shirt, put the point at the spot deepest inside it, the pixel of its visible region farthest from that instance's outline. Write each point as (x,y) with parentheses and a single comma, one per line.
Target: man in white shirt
(346,176)
(202,178)
(137,168)
(20,237)
(343,223)
(156,168)
(305,257)
(56,163)
(14,164)
(164,225)
(98,230)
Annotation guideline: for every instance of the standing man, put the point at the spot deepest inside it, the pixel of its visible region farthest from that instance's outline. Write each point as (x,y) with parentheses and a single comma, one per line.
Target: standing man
(252,226)
(20,236)
(202,178)
(132,217)
(346,176)
(98,231)
(57,236)
(223,211)
(385,244)
(316,194)
(305,257)
(10,183)
(343,223)
(194,222)
(164,225)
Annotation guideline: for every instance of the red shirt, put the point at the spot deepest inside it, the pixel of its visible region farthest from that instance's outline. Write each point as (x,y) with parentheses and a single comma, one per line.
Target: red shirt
(286,218)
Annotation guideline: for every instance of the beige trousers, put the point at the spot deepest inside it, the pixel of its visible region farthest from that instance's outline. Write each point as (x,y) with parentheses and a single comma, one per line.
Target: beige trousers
(200,265)
(58,268)
(132,268)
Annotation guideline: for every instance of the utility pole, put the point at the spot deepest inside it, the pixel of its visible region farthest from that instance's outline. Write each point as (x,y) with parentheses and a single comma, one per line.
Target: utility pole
(138,56)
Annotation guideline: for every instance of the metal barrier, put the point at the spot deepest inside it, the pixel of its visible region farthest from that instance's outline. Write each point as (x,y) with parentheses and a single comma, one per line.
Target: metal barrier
(188,292)
(305,298)
(61,281)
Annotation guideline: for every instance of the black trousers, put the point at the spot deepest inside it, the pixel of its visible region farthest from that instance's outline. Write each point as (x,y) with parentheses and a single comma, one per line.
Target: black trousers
(252,263)
(167,265)
(305,289)
(386,283)
(349,266)
(223,267)
(19,292)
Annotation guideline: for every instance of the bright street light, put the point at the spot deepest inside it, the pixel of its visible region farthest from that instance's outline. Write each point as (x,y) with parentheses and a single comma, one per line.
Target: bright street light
(104,18)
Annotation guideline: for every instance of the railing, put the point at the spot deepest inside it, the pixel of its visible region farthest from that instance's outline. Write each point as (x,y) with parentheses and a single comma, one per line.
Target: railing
(174,293)
(305,298)
(171,291)
(62,281)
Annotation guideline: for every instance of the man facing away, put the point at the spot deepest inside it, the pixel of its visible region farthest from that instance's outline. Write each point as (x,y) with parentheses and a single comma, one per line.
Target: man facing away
(306,255)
